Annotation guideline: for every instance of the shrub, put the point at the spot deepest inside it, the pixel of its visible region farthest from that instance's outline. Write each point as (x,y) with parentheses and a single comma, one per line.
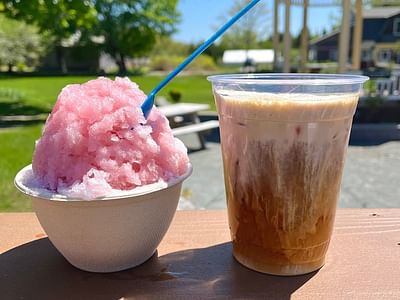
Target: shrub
(373,102)
(11,95)
(203,63)
(168,63)
(175,95)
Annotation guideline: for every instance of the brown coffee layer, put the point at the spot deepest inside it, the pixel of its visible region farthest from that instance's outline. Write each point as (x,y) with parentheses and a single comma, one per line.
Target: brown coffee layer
(275,269)
(281,202)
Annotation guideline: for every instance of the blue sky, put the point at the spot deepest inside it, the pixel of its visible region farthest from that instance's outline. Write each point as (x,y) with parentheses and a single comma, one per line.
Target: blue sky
(199,17)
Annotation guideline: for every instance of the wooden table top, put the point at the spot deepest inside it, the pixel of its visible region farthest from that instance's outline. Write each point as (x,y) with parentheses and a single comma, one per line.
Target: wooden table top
(194,261)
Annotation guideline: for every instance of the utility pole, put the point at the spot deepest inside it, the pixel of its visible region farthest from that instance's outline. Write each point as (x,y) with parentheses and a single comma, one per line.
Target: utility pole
(357,36)
(344,37)
(304,39)
(287,40)
(275,38)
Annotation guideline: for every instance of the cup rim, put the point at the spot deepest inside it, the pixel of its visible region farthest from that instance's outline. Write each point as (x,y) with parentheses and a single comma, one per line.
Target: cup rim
(57,197)
(288,79)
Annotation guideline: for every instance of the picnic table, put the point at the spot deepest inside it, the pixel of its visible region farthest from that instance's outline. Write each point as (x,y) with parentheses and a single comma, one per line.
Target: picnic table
(176,113)
(194,261)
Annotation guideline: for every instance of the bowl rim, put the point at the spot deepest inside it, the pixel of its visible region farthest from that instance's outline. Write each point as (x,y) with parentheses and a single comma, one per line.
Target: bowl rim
(128,195)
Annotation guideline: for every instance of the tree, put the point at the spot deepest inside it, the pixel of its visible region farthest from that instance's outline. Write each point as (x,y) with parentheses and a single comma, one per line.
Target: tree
(296,42)
(215,51)
(165,45)
(130,28)
(380,3)
(19,43)
(60,18)
(249,30)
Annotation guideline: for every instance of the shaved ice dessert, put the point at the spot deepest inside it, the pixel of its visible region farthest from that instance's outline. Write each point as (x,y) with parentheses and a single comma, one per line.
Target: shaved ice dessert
(96,141)
(96,145)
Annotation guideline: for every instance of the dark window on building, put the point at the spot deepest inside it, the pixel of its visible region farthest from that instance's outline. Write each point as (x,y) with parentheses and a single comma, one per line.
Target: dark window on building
(396,27)
(384,55)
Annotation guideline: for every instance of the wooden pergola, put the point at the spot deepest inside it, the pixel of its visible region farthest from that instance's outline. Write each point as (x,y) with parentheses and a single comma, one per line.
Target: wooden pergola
(344,38)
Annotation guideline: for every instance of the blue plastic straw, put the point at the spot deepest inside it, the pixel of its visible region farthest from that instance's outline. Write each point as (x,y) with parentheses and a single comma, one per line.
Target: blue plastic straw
(149,102)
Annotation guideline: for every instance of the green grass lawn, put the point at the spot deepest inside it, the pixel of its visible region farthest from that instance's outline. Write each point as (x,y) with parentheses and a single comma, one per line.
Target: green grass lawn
(42,92)
(39,95)
(16,149)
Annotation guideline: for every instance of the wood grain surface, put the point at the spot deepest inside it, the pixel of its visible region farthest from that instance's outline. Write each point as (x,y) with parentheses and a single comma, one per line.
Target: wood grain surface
(194,261)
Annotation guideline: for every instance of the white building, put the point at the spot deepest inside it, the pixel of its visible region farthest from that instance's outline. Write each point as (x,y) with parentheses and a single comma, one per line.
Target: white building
(253,56)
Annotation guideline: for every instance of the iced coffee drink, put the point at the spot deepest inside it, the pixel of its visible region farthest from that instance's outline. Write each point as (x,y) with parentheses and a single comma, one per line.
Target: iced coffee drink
(283,156)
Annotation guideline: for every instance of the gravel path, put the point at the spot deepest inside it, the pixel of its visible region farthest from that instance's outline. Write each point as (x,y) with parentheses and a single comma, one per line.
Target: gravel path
(371,178)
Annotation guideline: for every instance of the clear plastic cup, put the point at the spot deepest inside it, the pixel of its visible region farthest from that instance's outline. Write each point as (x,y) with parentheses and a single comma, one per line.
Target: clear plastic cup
(284,139)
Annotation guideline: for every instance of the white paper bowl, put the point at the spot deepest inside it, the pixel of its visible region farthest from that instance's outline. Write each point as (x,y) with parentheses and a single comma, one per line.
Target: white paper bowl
(110,234)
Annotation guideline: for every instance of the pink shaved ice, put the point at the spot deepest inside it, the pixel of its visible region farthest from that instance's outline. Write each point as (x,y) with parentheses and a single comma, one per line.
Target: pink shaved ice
(97,140)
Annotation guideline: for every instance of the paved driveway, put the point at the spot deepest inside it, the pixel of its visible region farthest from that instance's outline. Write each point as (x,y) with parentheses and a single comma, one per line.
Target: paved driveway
(371,178)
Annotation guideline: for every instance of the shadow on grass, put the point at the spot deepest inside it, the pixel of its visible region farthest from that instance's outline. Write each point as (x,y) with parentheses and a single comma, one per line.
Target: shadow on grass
(36,270)
(17,108)
(16,113)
